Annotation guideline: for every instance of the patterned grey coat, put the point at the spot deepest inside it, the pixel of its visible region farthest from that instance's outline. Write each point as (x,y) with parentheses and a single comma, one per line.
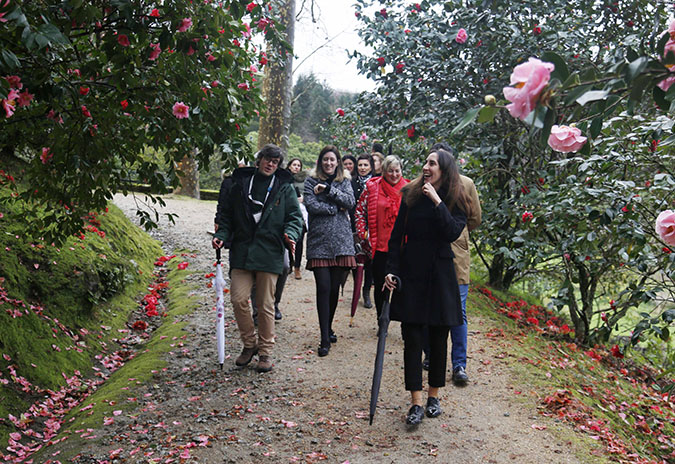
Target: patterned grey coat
(329,233)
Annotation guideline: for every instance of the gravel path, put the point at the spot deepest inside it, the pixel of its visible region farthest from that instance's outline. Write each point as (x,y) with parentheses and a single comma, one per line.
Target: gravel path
(310,409)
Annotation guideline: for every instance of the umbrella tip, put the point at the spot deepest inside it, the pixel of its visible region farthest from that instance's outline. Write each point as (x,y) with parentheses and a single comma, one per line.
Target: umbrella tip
(221,366)
(371,419)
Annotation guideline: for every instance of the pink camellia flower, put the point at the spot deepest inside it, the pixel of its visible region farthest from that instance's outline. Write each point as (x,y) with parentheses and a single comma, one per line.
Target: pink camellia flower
(340,112)
(253,68)
(46,155)
(669,48)
(383,12)
(14,82)
(665,226)
(84,90)
(85,112)
(411,132)
(461,36)
(666,83)
(123,40)
(185,24)
(528,81)
(566,139)
(3,20)
(247,33)
(156,50)
(181,110)
(527,216)
(154,13)
(243,86)
(671,30)
(399,67)
(183,265)
(9,103)
(25,98)
(381,61)
(251,6)
(363,136)
(210,57)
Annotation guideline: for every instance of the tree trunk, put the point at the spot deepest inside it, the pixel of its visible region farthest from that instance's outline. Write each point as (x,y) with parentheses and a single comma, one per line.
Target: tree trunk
(189,181)
(277,88)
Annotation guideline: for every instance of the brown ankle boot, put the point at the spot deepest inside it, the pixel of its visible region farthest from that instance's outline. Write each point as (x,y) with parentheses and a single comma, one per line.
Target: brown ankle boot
(298,275)
(246,355)
(264,364)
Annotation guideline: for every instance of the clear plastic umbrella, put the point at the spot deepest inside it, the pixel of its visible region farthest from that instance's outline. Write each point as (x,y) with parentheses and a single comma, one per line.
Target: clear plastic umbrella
(220,309)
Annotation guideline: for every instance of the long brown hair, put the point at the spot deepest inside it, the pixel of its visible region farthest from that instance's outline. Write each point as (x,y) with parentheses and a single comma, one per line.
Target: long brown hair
(340,175)
(450,183)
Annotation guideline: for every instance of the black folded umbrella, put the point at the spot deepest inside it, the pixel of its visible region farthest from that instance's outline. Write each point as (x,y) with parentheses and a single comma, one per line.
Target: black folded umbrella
(382,331)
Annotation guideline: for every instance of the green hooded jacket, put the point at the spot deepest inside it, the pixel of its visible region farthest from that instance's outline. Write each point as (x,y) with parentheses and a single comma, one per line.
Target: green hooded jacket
(259,247)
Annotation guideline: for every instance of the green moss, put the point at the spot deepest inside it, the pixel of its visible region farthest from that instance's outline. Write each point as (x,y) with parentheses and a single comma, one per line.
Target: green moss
(65,293)
(140,368)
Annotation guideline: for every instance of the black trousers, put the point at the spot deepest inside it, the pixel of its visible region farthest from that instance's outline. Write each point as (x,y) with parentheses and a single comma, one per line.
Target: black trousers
(413,340)
(328,280)
(378,266)
(298,250)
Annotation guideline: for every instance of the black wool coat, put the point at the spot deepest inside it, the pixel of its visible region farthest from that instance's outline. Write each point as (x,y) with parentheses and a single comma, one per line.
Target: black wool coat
(421,255)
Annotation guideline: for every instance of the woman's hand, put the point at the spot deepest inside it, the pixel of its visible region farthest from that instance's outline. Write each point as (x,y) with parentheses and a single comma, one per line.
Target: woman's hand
(389,282)
(318,188)
(430,192)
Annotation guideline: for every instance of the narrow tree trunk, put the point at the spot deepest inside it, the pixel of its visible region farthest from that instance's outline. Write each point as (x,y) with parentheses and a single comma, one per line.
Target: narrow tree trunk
(277,88)
(189,181)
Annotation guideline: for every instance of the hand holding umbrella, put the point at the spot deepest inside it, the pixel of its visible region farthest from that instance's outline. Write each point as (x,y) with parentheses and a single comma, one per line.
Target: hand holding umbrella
(391,283)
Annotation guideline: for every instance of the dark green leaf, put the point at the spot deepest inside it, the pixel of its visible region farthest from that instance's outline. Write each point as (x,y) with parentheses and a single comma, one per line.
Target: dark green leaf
(636,67)
(468,118)
(560,72)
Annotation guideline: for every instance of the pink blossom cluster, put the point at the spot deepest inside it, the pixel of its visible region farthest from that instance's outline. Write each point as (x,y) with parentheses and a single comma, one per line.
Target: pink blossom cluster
(665,226)
(566,139)
(669,48)
(528,82)
(14,97)
(461,36)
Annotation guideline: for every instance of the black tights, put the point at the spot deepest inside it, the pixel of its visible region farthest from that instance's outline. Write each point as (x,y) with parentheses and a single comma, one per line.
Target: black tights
(328,280)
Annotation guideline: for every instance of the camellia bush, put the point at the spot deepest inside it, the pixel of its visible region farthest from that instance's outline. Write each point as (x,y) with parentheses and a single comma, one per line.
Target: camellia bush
(87,86)
(563,124)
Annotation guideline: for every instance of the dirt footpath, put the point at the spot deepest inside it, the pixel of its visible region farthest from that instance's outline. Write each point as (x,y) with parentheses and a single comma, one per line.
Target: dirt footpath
(311,409)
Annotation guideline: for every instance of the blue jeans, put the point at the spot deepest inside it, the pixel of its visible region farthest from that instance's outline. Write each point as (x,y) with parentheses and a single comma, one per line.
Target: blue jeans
(458,333)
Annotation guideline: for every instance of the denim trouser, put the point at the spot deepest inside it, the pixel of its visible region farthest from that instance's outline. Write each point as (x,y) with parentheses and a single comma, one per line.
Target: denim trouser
(458,333)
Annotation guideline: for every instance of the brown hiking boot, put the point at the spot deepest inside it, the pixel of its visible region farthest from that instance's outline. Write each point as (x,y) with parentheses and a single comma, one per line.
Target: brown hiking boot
(246,355)
(298,275)
(264,364)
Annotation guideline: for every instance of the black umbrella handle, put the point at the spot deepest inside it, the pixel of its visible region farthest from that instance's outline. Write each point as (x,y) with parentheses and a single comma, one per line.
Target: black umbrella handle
(218,255)
(399,286)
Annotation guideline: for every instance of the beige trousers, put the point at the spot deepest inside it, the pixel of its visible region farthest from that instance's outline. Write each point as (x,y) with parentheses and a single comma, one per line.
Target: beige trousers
(241,282)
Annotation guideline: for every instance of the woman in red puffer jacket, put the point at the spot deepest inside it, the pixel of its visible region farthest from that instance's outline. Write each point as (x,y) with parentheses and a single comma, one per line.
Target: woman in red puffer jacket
(375,216)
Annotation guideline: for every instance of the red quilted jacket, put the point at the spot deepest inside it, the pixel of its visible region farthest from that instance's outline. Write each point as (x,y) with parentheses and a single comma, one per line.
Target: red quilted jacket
(366,219)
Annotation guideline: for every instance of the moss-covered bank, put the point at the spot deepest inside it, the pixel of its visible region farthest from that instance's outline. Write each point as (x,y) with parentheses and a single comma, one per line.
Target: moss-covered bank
(60,304)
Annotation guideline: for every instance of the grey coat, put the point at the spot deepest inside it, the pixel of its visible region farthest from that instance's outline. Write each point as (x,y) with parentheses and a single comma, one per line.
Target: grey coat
(330,233)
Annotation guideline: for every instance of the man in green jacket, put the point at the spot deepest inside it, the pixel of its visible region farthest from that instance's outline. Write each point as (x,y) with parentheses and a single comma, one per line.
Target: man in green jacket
(261,217)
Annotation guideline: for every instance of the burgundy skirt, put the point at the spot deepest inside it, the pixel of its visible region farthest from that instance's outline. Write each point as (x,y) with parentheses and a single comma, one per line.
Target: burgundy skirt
(339,261)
